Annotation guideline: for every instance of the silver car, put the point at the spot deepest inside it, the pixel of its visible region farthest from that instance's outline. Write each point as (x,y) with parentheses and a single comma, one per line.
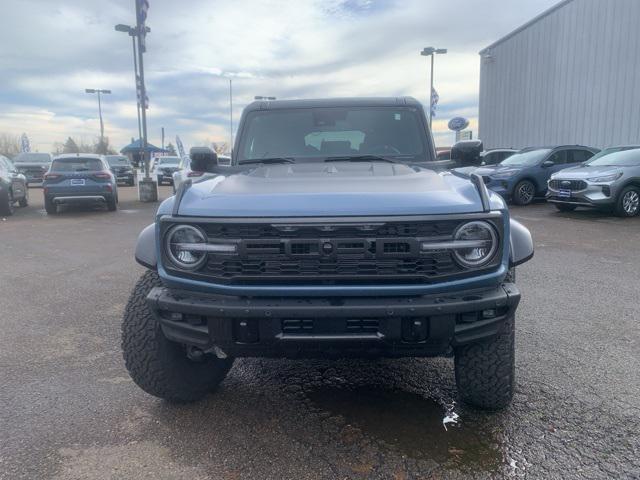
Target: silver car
(186,172)
(610,180)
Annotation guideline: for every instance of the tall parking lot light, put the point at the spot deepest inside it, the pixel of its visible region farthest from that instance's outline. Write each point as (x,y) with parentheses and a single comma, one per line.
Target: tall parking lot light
(132,33)
(98,91)
(431,52)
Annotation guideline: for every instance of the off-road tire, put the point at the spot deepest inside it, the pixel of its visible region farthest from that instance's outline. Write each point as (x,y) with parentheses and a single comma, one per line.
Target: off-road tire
(24,201)
(161,367)
(50,207)
(563,207)
(518,197)
(485,371)
(619,208)
(112,203)
(6,204)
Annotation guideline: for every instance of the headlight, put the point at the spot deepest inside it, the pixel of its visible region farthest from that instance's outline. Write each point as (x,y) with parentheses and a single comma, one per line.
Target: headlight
(183,245)
(504,174)
(606,178)
(482,240)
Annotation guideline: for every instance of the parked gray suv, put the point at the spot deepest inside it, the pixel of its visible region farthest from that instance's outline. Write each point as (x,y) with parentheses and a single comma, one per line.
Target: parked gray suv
(610,180)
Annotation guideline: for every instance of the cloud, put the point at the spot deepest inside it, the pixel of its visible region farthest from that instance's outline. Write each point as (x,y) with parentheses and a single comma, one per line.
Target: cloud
(52,51)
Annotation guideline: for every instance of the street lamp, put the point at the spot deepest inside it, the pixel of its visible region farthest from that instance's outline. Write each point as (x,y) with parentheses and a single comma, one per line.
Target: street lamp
(98,91)
(259,97)
(431,52)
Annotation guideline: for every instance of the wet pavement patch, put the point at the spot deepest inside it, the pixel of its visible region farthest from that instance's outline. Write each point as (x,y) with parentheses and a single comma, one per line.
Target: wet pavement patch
(413,426)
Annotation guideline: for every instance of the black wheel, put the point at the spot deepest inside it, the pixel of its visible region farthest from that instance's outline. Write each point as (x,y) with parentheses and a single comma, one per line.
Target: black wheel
(6,204)
(50,207)
(161,367)
(524,192)
(485,371)
(24,201)
(112,203)
(565,207)
(628,203)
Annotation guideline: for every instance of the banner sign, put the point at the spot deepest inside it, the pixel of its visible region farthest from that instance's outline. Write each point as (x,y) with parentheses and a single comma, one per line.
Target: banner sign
(180,147)
(25,146)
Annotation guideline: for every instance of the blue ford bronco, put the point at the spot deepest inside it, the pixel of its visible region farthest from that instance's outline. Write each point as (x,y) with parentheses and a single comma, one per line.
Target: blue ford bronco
(332,234)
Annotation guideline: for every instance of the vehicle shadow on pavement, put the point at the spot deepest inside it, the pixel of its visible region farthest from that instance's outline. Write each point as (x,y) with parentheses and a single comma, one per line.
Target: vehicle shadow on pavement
(358,418)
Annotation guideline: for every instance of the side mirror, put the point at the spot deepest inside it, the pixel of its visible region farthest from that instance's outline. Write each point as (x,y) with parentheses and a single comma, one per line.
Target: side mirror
(467,153)
(548,163)
(203,159)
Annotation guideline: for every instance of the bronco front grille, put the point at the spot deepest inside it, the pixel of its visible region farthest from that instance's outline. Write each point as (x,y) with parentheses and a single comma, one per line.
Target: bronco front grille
(302,251)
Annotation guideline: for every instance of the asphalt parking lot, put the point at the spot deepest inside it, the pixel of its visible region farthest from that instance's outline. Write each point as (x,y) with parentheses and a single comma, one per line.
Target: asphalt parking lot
(68,409)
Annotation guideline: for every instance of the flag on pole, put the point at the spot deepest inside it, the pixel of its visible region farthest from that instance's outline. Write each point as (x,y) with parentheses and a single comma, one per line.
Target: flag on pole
(181,151)
(25,146)
(435,98)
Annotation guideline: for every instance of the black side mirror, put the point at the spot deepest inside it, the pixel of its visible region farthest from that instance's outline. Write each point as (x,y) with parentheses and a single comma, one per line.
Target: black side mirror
(203,159)
(548,163)
(467,153)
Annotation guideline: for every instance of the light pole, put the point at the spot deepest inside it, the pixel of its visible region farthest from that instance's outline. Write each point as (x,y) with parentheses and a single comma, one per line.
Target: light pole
(260,97)
(431,52)
(231,113)
(132,33)
(98,91)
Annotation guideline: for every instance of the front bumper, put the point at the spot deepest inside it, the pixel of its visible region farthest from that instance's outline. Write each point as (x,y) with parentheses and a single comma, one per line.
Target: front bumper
(595,195)
(407,326)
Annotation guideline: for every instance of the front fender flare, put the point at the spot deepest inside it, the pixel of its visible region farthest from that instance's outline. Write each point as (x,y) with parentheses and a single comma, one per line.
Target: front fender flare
(145,252)
(521,243)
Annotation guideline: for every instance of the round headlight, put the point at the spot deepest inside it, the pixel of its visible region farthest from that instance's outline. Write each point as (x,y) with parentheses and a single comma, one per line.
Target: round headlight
(183,246)
(482,240)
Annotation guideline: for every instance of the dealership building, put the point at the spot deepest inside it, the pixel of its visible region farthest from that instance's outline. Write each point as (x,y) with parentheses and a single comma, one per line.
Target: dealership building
(569,76)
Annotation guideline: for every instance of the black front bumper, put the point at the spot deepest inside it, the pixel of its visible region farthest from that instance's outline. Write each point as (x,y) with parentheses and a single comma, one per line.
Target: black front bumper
(311,327)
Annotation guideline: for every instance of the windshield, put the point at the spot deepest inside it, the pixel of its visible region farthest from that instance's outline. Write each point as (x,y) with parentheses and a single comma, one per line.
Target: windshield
(526,159)
(117,161)
(318,133)
(608,151)
(32,158)
(168,160)
(619,158)
(76,165)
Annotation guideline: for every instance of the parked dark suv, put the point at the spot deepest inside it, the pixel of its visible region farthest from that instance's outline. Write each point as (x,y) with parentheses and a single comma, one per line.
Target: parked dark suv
(13,187)
(81,178)
(330,235)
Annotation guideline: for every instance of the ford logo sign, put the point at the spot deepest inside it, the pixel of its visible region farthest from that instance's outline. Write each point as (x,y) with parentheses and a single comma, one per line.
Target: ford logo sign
(458,123)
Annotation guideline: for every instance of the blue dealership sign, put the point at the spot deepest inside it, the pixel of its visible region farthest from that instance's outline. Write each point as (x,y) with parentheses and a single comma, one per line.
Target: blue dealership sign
(458,123)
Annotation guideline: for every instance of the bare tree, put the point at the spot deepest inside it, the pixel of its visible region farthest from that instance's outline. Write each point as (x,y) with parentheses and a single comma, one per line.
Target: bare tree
(10,145)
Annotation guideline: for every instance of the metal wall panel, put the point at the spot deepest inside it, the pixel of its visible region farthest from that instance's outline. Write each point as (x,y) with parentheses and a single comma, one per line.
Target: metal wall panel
(572,76)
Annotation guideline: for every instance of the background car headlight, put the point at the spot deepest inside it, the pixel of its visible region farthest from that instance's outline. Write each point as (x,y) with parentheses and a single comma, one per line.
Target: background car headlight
(504,174)
(183,245)
(485,240)
(606,178)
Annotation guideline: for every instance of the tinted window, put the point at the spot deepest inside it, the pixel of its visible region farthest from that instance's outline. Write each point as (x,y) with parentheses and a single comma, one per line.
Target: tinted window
(578,156)
(628,158)
(117,160)
(607,151)
(559,158)
(32,158)
(77,165)
(324,132)
(527,158)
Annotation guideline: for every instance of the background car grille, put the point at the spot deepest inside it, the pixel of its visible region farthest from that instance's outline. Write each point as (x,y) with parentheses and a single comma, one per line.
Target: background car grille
(332,253)
(572,185)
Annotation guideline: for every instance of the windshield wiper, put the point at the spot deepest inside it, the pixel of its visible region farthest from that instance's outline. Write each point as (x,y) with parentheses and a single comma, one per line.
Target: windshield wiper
(269,160)
(361,158)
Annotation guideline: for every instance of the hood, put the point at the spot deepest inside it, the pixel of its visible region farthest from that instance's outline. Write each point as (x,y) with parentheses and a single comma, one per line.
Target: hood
(489,170)
(43,166)
(583,172)
(325,189)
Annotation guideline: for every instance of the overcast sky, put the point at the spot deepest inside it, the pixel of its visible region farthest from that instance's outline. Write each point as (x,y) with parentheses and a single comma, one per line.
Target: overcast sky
(51,50)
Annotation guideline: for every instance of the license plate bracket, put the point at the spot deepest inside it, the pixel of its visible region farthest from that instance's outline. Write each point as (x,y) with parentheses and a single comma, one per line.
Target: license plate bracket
(564,193)
(77,181)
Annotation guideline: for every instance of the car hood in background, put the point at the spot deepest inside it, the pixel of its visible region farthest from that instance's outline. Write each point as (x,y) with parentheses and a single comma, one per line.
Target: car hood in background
(489,170)
(583,172)
(326,189)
